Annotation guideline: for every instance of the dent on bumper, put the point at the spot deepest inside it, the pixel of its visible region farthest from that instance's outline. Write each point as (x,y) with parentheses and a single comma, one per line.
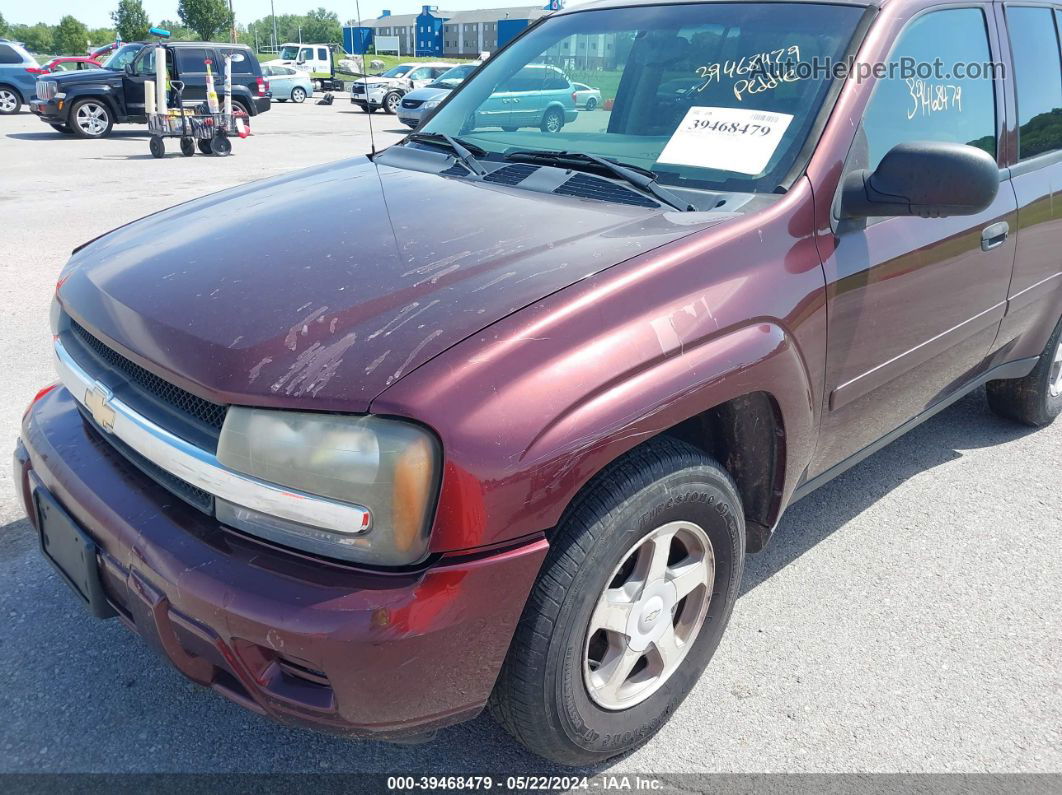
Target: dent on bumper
(301,640)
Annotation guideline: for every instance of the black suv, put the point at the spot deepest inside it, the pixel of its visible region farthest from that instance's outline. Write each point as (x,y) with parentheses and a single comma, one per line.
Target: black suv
(88,104)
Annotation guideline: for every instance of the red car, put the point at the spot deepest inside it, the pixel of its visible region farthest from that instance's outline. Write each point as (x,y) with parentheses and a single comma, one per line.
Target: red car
(503,422)
(67,64)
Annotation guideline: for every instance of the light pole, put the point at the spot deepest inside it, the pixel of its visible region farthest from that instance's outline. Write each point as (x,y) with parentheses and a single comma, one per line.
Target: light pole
(232,24)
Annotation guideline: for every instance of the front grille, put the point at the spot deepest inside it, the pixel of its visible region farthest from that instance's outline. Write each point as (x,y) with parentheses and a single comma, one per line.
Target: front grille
(46,89)
(586,186)
(357,88)
(205,412)
(412,103)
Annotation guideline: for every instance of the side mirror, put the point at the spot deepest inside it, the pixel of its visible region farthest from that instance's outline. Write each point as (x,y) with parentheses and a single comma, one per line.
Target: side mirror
(129,68)
(929,179)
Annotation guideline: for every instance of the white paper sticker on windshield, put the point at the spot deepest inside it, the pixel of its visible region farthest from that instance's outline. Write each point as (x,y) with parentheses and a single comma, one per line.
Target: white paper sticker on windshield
(731,139)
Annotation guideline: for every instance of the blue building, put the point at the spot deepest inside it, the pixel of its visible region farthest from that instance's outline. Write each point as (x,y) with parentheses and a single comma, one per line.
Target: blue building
(432,32)
(429,40)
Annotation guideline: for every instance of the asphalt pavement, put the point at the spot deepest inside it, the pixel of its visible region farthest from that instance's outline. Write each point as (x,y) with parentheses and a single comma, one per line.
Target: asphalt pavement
(905,617)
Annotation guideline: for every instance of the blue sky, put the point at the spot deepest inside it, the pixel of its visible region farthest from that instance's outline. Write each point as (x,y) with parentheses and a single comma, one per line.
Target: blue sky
(96,13)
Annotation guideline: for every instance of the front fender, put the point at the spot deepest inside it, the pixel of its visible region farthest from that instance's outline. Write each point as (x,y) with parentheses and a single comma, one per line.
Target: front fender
(102,91)
(681,383)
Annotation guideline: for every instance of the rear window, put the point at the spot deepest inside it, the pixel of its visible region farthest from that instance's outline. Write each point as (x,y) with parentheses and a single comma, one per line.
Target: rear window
(192,59)
(9,54)
(248,66)
(536,78)
(1038,80)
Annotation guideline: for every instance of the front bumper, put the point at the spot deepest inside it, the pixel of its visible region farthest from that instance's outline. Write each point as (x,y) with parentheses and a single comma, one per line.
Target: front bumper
(303,641)
(364,103)
(410,116)
(52,111)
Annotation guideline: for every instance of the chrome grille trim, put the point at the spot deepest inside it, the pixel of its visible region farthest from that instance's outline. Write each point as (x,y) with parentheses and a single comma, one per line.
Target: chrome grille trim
(201,468)
(46,89)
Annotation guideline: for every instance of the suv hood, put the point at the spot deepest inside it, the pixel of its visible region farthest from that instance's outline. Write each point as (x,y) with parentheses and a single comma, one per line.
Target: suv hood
(323,287)
(95,76)
(378,80)
(426,94)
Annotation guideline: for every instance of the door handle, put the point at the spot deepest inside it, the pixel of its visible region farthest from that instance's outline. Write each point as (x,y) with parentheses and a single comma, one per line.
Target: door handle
(994,235)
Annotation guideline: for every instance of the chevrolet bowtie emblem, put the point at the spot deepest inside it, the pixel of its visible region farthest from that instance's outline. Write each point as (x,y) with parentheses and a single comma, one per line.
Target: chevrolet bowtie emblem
(98,402)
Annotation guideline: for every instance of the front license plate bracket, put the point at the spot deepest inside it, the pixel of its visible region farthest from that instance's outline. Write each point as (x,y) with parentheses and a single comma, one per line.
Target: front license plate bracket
(72,552)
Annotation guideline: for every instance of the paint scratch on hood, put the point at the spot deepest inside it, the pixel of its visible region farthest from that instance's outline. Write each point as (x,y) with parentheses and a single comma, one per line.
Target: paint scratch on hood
(314,367)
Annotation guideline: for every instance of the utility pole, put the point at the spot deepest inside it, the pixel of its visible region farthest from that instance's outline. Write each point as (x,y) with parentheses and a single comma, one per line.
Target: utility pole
(273,11)
(232,26)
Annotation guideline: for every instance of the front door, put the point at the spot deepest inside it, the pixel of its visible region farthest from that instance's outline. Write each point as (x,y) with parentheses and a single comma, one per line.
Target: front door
(915,304)
(143,68)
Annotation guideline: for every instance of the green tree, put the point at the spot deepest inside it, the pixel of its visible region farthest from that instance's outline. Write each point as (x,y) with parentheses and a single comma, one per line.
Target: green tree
(205,17)
(99,36)
(131,20)
(178,31)
(322,27)
(71,36)
(38,38)
(3,25)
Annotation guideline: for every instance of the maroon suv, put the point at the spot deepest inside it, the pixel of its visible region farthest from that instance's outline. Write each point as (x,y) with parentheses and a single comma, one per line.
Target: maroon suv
(501,423)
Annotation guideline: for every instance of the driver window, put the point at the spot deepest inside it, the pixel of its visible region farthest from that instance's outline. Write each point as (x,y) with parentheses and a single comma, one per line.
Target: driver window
(306,54)
(953,101)
(145,65)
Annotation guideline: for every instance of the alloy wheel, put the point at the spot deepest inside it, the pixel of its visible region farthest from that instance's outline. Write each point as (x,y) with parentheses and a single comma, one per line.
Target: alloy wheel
(1054,377)
(648,615)
(8,102)
(91,118)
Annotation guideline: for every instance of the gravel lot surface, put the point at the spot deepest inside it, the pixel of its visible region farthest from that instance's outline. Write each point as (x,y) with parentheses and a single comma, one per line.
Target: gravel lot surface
(905,618)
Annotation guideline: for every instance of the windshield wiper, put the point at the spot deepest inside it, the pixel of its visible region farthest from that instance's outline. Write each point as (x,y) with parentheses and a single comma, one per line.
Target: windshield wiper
(466,152)
(639,177)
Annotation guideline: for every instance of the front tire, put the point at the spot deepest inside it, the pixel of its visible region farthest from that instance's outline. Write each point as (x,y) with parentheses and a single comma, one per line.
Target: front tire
(391,102)
(10,101)
(298,95)
(1036,399)
(91,118)
(630,605)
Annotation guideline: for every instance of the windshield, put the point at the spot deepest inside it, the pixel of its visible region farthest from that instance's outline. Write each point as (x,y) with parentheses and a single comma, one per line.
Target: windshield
(451,78)
(706,95)
(120,57)
(396,71)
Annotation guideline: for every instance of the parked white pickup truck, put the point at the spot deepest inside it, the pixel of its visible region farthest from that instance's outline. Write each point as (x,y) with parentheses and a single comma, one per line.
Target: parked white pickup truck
(317,59)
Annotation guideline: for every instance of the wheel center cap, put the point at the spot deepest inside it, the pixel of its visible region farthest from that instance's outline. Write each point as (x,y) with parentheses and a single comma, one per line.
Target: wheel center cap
(651,615)
(652,610)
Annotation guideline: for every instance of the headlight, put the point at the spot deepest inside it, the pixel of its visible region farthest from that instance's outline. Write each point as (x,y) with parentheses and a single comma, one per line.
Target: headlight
(391,468)
(431,103)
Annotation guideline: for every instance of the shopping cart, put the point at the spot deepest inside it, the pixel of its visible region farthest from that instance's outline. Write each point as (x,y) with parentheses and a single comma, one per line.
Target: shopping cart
(196,128)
